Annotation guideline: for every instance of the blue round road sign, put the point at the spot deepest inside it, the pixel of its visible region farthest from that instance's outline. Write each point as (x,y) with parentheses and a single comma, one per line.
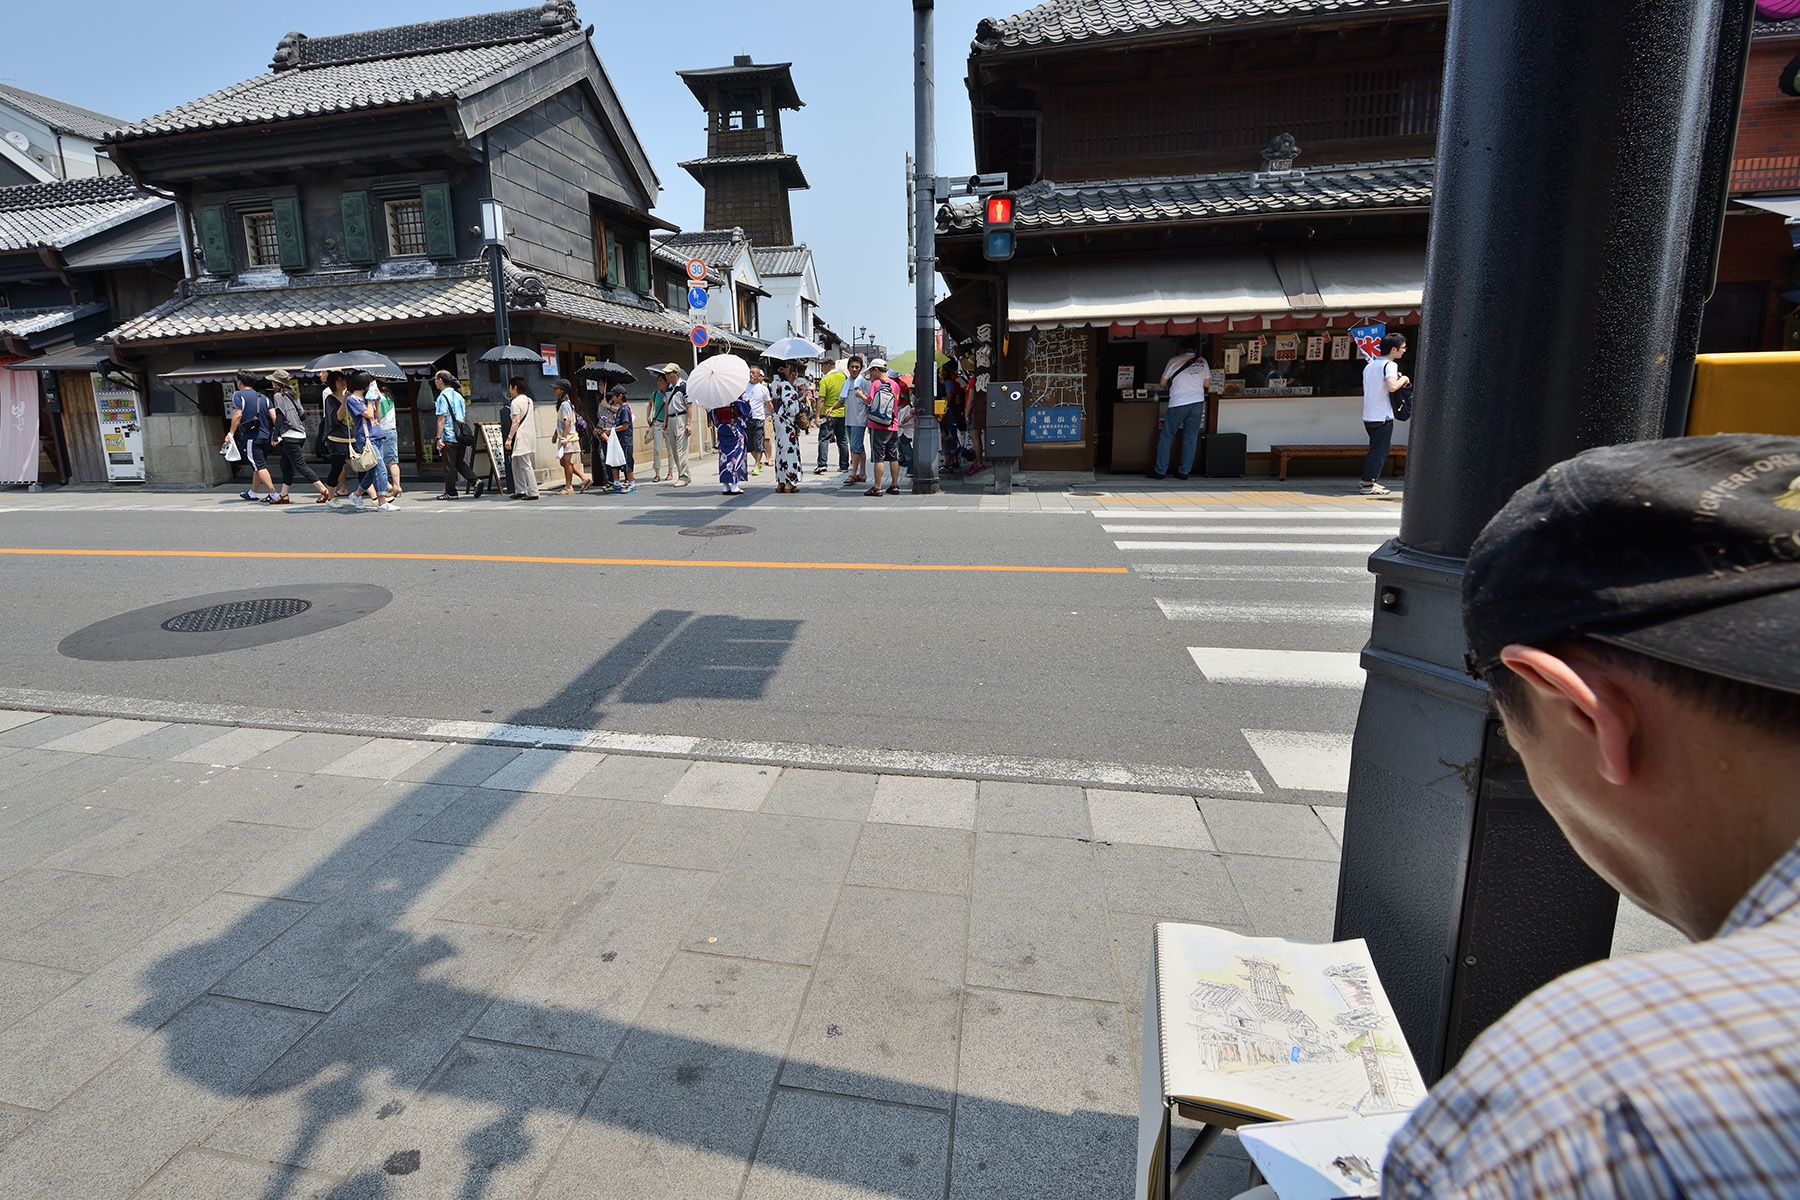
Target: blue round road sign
(699,337)
(697,297)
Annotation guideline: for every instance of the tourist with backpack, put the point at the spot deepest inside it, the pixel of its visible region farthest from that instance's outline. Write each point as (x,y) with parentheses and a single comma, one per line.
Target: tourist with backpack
(251,414)
(455,437)
(290,439)
(882,416)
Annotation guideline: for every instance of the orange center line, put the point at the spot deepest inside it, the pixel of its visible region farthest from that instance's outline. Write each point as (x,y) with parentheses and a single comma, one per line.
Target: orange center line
(567,562)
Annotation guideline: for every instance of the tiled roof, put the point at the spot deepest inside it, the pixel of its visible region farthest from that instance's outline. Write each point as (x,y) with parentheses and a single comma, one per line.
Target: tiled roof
(65,211)
(311,91)
(721,248)
(791,174)
(297,51)
(1061,22)
(64,118)
(781,260)
(23,322)
(780,75)
(351,299)
(1787,28)
(1045,206)
(678,258)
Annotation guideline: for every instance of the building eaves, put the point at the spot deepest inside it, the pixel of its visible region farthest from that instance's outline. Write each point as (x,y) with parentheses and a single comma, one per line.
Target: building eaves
(61,213)
(718,248)
(1061,23)
(25,322)
(64,118)
(780,75)
(297,51)
(445,76)
(675,258)
(781,260)
(1119,203)
(1771,30)
(791,175)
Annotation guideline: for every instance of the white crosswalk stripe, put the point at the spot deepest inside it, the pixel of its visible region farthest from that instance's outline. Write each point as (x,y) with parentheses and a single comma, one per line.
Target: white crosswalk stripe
(1289,668)
(1308,762)
(1360,547)
(1263,614)
(1375,531)
(1253,573)
(1115,514)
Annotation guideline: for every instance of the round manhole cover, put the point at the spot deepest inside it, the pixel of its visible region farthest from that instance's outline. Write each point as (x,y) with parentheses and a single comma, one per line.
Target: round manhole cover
(239,614)
(718,531)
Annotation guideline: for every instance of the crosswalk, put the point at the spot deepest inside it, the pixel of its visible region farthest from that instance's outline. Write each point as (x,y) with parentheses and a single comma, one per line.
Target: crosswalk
(1281,599)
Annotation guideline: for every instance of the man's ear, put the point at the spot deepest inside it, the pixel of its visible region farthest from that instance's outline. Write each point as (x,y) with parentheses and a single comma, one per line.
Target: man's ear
(1605,714)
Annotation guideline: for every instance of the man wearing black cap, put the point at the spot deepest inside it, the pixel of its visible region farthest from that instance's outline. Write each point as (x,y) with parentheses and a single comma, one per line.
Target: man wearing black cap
(1636,611)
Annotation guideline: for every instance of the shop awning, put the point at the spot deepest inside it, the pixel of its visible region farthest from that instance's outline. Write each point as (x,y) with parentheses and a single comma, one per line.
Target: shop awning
(1786,206)
(1220,291)
(413,361)
(69,358)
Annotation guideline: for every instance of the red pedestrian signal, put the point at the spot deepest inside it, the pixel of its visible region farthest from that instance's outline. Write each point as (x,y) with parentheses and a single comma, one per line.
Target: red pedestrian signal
(998,240)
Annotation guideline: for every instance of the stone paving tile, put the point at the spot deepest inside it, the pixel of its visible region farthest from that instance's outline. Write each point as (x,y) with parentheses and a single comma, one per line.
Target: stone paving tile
(69,1040)
(31,841)
(881,1017)
(547,772)
(696,839)
(150,1105)
(587,981)
(480,817)
(457,765)
(380,758)
(534,881)
(837,795)
(1334,822)
(98,739)
(167,742)
(914,800)
(1072,1100)
(832,1148)
(307,752)
(293,800)
(32,897)
(774,900)
(913,858)
(319,961)
(199,1175)
(12,718)
(487,1125)
(1269,830)
(1036,921)
(148,784)
(46,729)
(322,862)
(367,1059)
(632,777)
(12,1124)
(679,1111)
(1035,808)
(1179,884)
(1148,819)
(91,934)
(72,777)
(739,786)
(140,839)
(25,988)
(234,747)
(1287,897)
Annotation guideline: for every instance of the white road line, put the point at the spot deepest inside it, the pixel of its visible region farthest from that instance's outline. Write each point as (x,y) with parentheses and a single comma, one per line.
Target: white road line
(1259,573)
(1274,547)
(1304,514)
(1310,762)
(1374,531)
(1263,614)
(1288,668)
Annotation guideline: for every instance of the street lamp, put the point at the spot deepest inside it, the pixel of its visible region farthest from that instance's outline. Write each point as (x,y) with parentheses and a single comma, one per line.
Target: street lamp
(493,236)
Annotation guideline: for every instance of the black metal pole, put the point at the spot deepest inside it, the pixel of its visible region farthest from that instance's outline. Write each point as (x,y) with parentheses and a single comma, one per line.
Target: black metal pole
(1570,164)
(924,218)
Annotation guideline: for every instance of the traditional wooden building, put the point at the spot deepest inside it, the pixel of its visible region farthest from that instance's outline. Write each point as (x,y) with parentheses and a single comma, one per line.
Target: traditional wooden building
(747,173)
(1256,173)
(334,203)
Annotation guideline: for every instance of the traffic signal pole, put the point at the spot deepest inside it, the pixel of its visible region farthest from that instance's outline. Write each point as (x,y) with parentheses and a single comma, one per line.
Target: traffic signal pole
(1572,173)
(924,217)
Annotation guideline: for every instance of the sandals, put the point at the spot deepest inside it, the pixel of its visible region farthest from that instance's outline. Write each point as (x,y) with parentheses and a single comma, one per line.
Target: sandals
(873,492)
(893,491)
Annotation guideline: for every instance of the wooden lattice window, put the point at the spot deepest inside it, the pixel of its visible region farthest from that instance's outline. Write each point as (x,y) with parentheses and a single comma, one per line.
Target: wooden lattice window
(261,240)
(406,226)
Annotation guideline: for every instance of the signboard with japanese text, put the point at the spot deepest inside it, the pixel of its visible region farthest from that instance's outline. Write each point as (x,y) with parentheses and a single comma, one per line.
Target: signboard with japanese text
(1053,423)
(1340,348)
(1315,348)
(1287,347)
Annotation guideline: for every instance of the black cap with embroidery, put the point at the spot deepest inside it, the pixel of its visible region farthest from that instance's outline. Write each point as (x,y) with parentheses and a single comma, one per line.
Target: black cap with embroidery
(1686,550)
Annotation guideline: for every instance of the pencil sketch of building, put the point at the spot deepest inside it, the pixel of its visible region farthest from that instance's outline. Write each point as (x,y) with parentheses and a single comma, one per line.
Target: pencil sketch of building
(1256,1026)
(1364,1021)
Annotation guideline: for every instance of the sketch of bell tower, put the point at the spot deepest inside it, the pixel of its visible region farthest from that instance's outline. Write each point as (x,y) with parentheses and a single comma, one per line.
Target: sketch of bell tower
(746,172)
(1352,983)
(1265,980)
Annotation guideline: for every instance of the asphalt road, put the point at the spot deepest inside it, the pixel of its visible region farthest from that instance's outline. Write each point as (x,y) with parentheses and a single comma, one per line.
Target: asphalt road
(1085,664)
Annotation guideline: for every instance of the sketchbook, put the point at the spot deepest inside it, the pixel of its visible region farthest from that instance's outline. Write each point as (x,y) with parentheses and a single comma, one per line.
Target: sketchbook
(1239,1030)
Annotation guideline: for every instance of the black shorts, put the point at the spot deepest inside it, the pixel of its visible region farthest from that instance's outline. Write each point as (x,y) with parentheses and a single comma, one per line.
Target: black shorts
(758,440)
(256,454)
(884,445)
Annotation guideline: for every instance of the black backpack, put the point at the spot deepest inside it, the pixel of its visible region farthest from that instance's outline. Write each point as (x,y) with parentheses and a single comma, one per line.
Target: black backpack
(1401,401)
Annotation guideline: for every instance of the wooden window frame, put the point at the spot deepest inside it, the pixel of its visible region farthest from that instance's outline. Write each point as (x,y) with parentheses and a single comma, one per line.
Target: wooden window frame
(389,209)
(255,239)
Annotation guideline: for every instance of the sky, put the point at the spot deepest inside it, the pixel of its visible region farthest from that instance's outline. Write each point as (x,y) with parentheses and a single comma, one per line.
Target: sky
(852,67)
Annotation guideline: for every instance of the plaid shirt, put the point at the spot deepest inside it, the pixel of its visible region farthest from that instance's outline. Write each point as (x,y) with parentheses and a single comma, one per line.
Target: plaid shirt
(1674,1074)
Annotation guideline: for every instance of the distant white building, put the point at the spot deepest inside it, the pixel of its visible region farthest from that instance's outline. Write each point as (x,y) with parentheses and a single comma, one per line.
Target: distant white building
(792,284)
(734,306)
(43,140)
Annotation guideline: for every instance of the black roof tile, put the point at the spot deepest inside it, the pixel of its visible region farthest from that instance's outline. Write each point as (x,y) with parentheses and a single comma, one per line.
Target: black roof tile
(1061,22)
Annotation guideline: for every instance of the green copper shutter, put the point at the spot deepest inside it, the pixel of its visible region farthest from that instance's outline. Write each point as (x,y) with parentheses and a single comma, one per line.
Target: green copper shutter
(612,261)
(643,267)
(290,233)
(215,242)
(359,246)
(440,233)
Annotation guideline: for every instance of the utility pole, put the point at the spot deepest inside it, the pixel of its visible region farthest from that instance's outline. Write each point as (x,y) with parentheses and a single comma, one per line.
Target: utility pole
(1560,294)
(924,215)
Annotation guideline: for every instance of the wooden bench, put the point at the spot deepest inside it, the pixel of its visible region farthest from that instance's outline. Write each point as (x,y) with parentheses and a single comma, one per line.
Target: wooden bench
(1282,455)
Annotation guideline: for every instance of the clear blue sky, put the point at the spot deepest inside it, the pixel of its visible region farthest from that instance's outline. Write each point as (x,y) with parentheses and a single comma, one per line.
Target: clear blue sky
(852,65)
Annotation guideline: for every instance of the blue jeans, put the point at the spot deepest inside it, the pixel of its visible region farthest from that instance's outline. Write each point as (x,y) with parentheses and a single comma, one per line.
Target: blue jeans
(1188,418)
(857,435)
(381,467)
(1381,442)
(831,432)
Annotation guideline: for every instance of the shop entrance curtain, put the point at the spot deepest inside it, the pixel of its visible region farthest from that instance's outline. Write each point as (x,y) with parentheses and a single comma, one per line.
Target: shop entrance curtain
(18,427)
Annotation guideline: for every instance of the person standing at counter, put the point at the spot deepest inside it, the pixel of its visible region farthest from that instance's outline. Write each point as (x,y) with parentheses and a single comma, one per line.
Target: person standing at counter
(1381,379)
(1186,379)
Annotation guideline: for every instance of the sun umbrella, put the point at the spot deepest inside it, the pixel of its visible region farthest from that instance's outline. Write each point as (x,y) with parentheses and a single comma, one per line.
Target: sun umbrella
(512,354)
(789,349)
(718,381)
(904,362)
(605,372)
(378,365)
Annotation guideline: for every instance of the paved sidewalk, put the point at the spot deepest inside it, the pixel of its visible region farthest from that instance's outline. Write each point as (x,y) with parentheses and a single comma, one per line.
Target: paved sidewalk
(243,962)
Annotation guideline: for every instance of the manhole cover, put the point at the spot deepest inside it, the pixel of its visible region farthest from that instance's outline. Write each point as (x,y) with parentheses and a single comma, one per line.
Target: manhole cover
(717,531)
(239,614)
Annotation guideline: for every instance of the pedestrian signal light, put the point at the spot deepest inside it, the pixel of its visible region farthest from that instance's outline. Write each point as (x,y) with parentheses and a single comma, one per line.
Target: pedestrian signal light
(997,237)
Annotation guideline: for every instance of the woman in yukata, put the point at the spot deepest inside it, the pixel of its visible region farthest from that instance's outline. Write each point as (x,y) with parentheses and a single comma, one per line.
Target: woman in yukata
(732,424)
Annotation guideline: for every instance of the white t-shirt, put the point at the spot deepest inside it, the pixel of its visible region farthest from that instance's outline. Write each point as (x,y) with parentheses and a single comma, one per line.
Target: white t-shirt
(525,441)
(1190,386)
(757,397)
(1376,373)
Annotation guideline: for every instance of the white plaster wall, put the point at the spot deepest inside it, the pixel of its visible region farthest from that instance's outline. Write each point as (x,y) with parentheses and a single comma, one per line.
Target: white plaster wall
(1298,421)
